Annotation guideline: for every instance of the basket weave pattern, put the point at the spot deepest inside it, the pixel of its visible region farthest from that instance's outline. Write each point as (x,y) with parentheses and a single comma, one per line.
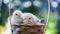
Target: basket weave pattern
(28,29)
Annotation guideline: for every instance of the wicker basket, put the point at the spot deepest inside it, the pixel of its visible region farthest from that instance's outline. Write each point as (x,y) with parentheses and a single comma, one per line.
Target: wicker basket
(28,29)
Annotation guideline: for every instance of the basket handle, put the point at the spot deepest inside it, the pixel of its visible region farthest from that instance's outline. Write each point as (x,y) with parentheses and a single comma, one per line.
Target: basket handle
(48,16)
(47,22)
(46,25)
(10,1)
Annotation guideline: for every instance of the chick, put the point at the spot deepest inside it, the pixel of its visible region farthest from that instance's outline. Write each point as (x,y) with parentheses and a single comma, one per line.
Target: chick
(31,19)
(16,18)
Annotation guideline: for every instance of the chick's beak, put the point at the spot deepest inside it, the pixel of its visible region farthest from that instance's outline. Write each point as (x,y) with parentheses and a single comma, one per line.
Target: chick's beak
(18,16)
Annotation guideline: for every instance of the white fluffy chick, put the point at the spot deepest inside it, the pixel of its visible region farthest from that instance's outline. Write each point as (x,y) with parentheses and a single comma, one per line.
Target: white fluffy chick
(31,19)
(17,17)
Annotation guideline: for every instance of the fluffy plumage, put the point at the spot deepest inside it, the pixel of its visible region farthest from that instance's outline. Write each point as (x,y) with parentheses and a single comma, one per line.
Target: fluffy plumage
(17,17)
(31,19)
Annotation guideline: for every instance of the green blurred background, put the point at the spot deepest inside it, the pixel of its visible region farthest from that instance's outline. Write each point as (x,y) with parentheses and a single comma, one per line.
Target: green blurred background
(36,7)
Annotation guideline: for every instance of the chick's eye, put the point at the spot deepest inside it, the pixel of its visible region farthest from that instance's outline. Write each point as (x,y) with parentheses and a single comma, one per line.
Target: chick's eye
(16,14)
(29,18)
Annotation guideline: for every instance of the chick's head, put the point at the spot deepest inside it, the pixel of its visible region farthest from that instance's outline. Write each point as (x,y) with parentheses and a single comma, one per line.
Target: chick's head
(17,14)
(28,18)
